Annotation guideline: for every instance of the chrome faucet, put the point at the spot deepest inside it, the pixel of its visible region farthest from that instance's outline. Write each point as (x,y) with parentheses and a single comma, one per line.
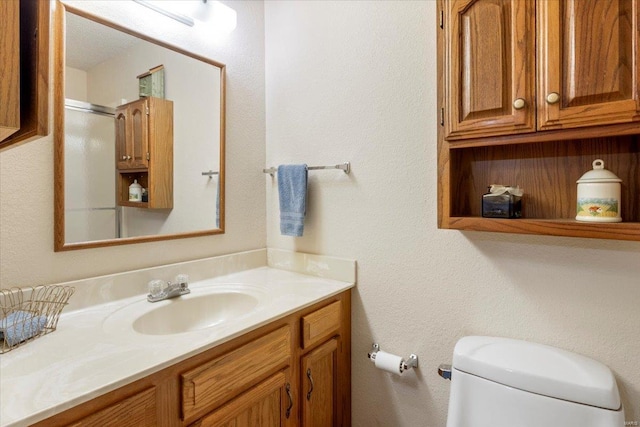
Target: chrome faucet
(159,291)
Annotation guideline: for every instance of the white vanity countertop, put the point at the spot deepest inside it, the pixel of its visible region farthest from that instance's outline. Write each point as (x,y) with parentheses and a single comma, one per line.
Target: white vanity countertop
(94,351)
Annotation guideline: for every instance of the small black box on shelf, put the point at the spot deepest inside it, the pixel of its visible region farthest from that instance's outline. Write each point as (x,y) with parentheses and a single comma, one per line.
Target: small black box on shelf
(502,205)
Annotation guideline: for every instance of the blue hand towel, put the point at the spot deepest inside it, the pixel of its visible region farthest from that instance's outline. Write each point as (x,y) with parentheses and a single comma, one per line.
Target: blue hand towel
(21,325)
(292,189)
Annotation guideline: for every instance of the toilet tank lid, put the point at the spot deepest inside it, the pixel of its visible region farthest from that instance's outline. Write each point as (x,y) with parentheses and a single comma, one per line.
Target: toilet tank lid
(538,368)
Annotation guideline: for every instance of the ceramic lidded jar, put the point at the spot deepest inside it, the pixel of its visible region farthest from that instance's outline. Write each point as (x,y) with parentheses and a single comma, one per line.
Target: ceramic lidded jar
(599,195)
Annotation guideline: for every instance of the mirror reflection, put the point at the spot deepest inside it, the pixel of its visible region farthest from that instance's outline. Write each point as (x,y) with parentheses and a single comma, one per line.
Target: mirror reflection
(143,139)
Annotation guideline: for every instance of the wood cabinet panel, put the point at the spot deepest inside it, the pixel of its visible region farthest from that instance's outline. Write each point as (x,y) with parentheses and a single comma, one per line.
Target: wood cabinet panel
(586,56)
(489,52)
(24,86)
(259,407)
(321,324)
(319,389)
(9,68)
(138,410)
(211,384)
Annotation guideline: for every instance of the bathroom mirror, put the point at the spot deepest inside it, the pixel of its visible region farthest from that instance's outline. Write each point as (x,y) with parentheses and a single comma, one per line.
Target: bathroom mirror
(99,67)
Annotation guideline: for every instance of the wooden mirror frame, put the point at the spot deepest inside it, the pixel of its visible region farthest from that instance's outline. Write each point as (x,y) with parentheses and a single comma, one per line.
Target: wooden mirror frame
(59,136)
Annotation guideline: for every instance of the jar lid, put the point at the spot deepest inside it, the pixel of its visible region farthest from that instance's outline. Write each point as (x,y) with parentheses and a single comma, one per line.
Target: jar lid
(599,174)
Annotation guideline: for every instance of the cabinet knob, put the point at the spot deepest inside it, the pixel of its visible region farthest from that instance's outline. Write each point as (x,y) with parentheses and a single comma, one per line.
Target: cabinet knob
(128,157)
(552,98)
(124,157)
(519,104)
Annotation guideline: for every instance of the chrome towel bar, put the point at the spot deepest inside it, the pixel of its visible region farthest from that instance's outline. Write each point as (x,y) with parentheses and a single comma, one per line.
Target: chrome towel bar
(345,167)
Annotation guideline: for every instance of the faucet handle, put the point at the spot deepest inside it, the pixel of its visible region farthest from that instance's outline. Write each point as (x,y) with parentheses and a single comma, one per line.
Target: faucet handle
(156,287)
(182,280)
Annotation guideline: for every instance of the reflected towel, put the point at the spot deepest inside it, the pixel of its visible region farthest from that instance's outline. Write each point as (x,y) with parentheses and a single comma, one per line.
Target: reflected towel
(292,189)
(21,325)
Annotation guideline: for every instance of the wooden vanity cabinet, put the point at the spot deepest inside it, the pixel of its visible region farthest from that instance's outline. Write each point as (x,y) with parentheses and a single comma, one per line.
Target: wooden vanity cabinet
(264,405)
(320,378)
(144,151)
(256,380)
(530,93)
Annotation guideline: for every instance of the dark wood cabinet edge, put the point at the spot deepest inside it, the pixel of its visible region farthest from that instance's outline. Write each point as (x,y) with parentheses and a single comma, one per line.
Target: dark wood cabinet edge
(39,116)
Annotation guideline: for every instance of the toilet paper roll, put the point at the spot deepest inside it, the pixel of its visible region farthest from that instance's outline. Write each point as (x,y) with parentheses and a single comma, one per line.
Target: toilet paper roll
(388,362)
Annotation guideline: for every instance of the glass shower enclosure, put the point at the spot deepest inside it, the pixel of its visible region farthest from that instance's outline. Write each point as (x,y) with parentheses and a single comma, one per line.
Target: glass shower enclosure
(91,212)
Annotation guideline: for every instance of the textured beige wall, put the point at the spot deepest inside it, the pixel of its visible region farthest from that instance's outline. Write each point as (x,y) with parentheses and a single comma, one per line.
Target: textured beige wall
(357,81)
(26,171)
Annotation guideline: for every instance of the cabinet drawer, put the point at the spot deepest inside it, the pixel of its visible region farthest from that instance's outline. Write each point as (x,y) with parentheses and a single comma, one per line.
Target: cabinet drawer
(138,410)
(211,384)
(321,324)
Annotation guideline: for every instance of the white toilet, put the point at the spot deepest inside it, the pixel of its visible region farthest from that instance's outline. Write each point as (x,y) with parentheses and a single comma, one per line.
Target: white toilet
(500,382)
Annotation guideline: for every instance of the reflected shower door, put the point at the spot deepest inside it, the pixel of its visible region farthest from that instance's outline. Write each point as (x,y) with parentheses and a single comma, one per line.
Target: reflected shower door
(89,156)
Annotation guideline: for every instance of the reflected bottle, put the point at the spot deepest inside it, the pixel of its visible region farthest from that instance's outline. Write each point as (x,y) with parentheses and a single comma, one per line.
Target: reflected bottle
(135,192)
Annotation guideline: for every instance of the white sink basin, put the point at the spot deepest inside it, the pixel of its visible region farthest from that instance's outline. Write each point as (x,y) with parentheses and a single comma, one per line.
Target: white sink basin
(202,308)
(192,314)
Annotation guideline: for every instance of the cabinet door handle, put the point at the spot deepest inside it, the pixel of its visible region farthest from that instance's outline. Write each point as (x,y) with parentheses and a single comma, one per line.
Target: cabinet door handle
(288,389)
(553,98)
(519,104)
(311,381)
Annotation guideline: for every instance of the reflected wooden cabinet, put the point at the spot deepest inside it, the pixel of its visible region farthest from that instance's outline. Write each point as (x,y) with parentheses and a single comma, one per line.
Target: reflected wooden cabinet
(530,93)
(144,151)
(132,135)
(583,77)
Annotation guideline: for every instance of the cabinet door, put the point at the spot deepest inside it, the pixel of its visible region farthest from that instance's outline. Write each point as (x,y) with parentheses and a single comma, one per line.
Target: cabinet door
(489,67)
(588,71)
(139,147)
(10,68)
(319,386)
(122,138)
(265,405)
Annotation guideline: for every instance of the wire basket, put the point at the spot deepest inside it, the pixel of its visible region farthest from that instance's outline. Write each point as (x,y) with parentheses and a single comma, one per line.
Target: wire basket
(28,313)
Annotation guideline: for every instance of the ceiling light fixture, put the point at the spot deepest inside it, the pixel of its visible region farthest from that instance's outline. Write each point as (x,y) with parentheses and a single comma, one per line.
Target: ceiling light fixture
(187,20)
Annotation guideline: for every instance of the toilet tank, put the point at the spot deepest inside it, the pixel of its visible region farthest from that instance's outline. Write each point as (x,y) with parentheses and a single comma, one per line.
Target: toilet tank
(500,382)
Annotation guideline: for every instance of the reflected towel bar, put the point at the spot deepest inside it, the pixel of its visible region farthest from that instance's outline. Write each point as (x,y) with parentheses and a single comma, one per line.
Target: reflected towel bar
(345,167)
(210,173)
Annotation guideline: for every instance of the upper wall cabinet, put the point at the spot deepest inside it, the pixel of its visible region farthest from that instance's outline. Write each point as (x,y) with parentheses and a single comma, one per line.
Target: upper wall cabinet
(530,93)
(24,67)
(587,71)
(491,68)
(583,78)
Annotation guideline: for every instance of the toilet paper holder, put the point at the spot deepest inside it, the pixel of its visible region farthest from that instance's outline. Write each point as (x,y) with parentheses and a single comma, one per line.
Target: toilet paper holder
(405,364)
